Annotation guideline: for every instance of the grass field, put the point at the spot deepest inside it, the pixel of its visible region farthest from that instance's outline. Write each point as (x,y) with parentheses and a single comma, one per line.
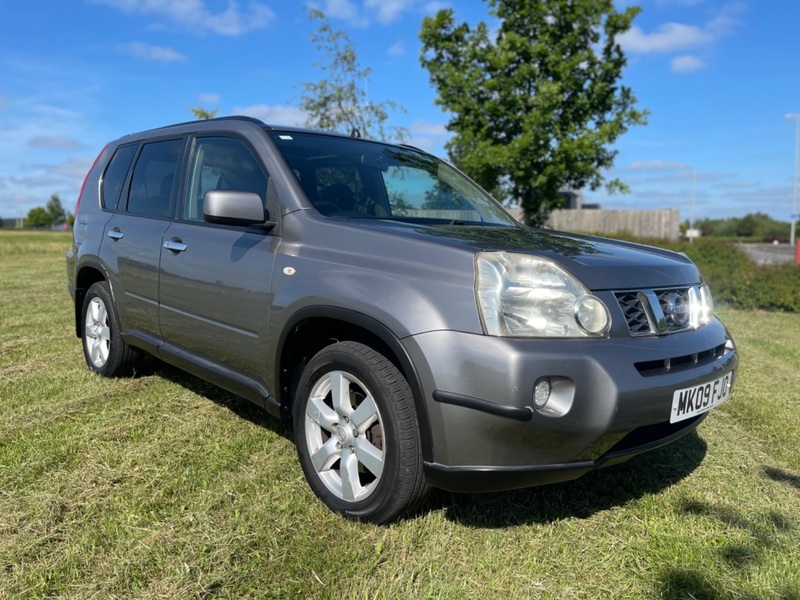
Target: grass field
(162,486)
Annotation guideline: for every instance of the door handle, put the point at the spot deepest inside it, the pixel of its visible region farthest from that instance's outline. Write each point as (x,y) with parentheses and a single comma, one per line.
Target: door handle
(175,245)
(115,234)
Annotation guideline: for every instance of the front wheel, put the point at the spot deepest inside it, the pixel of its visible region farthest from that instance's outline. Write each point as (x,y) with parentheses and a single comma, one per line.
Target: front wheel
(357,434)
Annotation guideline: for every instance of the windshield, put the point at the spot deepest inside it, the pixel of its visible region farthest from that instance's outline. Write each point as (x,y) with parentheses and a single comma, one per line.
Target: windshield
(358,178)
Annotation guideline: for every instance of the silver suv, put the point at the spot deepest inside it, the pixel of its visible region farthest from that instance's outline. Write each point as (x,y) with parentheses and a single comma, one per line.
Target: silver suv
(413,331)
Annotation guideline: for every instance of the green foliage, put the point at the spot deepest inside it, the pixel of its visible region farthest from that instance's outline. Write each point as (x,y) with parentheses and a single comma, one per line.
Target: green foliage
(737,281)
(201,113)
(52,213)
(536,103)
(756,226)
(38,217)
(339,101)
(55,210)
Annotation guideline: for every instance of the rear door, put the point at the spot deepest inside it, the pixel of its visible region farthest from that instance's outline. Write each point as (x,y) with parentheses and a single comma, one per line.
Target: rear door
(215,279)
(131,248)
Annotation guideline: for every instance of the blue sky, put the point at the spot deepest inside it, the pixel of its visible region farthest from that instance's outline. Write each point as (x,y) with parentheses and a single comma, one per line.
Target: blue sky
(718,78)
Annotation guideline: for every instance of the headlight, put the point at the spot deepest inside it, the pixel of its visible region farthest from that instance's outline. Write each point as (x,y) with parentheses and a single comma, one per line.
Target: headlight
(528,296)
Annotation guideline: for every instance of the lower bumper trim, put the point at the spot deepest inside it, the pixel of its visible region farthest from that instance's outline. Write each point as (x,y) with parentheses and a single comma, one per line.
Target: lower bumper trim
(498,479)
(502,478)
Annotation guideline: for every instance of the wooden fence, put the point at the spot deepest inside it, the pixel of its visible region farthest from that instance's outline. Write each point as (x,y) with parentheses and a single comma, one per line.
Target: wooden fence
(661,224)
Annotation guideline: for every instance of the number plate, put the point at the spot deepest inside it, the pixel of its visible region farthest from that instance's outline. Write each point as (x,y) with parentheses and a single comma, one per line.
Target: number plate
(692,401)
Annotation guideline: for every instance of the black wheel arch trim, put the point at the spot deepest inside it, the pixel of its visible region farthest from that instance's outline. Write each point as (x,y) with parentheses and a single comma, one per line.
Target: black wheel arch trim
(79,293)
(524,413)
(383,333)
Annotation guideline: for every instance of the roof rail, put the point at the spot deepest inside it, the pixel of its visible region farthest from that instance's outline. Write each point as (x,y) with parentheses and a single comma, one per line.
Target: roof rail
(239,118)
(244,118)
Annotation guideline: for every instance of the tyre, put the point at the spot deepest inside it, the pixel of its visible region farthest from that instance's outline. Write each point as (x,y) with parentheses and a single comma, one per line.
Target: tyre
(105,351)
(357,434)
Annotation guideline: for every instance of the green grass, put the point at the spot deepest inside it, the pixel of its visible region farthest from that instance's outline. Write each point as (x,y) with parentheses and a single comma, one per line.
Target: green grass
(162,486)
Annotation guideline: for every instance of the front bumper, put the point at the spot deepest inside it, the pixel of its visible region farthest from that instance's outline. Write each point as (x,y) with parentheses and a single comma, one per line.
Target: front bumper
(614,398)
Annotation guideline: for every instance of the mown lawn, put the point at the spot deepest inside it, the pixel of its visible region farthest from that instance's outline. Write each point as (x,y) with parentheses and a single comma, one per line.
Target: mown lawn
(162,486)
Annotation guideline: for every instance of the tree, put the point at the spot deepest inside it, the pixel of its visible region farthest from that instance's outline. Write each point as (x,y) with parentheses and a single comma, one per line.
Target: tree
(339,102)
(535,103)
(201,113)
(55,210)
(747,226)
(38,217)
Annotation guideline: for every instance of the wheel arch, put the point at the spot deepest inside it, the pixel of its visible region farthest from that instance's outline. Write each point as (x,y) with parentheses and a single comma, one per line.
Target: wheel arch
(315,327)
(88,275)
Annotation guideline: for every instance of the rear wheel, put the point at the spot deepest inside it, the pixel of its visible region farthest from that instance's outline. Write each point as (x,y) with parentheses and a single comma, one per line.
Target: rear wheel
(357,434)
(105,351)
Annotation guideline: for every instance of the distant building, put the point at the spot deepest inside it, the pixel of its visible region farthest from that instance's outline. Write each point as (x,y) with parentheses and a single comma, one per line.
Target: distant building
(573,200)
(13,223)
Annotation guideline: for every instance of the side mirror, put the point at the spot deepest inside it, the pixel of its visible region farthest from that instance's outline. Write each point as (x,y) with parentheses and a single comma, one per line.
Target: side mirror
(230,207)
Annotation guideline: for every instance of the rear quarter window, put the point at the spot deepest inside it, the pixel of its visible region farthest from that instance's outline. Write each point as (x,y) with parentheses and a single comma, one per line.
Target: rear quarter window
(115,175)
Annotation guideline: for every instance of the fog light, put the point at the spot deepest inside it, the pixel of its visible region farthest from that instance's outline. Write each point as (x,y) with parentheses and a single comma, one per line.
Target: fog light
(541,392)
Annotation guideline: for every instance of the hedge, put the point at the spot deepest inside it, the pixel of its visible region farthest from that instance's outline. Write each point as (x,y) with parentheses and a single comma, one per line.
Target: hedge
(736,280)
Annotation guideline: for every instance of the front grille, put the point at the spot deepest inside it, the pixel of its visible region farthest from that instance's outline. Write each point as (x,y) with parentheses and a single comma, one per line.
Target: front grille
(633,309)
(660,311)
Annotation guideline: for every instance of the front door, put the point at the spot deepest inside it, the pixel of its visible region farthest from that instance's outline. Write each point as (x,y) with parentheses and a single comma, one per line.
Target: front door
(215,279)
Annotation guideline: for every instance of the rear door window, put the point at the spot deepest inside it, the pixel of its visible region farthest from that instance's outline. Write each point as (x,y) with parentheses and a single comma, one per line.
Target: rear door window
(153,182)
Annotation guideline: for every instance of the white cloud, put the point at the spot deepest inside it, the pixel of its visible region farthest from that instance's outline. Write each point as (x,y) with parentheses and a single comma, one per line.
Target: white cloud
(686,64)
(196,16)
(680,2)
(344,10)
(36,182)
(431,8)
(739,185)
(276,115)
(209,98)
(74,167)
(148,52)
(657,165)
(428,136)
(668,38)
(55,142)
(361,15)
(388,10)
(420,127)
(673,37)
(689,176)
(398,49)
